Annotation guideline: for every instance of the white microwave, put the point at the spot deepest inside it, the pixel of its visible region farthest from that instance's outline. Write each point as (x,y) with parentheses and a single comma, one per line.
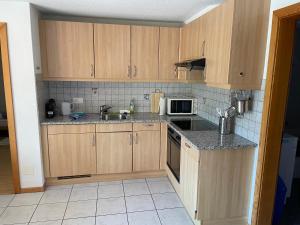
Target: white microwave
(180,106)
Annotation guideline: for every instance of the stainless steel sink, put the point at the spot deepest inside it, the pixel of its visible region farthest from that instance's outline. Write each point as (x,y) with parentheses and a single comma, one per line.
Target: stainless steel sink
(114,117)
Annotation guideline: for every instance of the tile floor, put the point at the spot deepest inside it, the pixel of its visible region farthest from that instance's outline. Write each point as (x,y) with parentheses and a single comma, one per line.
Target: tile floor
(150,201)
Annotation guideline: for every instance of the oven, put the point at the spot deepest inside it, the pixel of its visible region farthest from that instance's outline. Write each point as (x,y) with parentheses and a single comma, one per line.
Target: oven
(173,152)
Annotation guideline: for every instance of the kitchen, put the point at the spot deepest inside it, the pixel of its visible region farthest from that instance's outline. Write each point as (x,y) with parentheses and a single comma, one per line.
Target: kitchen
(136,100)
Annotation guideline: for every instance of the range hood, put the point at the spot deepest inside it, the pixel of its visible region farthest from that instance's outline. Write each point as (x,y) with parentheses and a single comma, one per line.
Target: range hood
(196,64)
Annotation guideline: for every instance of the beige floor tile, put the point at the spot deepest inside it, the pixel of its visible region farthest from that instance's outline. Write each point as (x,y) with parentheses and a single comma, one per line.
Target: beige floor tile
(48,212)
(119,219)
(166,201)
(144,218)
(130,181)
(110,191)
(53,222)
(156,179)
(81,209)
(26,199)
(139,203)
(108,206)
(59,187)
(80,221)
(102,183)
(88,193)
(85,185)
(136,189)
(5,200)
(14,215)
(160,187)
(56,196)
(174,217)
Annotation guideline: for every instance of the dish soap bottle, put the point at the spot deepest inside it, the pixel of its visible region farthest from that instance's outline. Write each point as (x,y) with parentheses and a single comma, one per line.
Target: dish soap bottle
(131,106)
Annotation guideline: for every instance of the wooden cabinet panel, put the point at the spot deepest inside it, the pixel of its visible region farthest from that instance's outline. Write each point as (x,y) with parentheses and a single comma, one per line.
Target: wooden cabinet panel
(114,153)
(146,150)
(69,50)
(146,126)
(189,166)
(168,52)
(71,129)
(107,128)
(144,52)
(163,146)
(112,51)
(72,154)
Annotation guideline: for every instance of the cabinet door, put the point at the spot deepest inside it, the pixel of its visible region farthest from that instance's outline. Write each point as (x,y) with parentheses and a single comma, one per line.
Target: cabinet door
(112,51)
(72,154)
(189,167)
(168,53)
(69,50)
(146,150)
(144,52)
(218,43)
(114,153)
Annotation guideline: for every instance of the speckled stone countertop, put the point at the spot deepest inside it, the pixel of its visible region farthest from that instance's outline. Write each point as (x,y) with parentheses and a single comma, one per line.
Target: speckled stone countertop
(201,140)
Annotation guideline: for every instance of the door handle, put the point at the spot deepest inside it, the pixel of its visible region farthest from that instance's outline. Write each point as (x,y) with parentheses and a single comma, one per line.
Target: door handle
(175,72)
(129,71)
(135,71)
(130,139)
(92,70)
(136,138)
(94,140)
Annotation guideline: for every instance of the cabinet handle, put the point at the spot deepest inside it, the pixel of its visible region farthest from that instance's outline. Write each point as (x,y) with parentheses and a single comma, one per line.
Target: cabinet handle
(129,71)
(175,72)
(136,138)
(130,139)
(187,145)
(92,70)
(135,71)
(203,47)
(149,125)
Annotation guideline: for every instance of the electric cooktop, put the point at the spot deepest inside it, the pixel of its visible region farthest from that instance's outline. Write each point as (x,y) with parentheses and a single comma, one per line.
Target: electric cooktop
(194,125)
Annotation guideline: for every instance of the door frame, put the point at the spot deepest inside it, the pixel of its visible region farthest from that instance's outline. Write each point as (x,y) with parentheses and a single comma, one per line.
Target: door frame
(276,94)
(9,107)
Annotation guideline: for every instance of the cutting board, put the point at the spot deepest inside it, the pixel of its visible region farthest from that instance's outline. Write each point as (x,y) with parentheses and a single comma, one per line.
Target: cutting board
(155,101)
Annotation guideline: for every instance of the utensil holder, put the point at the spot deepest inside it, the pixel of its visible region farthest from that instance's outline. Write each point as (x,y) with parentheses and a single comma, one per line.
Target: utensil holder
(226,125)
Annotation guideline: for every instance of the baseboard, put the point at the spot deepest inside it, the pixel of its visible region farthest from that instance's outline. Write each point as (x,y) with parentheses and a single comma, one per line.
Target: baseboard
(33,189)
(229,221)
(109,177)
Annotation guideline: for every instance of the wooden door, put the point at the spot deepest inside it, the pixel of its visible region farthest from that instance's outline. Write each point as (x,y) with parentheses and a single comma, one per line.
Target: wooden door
(189,167)
(144,52)
(72,154)
(114,152)
(112,51)
(146,150)
(168,53)
(68,48)
(185,43)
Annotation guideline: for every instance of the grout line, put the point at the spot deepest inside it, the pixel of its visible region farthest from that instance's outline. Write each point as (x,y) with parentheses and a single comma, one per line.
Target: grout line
(125,202)
(67,205)
(154,203)
(36,208)
(97,204)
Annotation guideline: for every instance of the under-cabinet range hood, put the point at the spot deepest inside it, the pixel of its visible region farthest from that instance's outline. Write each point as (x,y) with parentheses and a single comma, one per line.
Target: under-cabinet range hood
(196,64)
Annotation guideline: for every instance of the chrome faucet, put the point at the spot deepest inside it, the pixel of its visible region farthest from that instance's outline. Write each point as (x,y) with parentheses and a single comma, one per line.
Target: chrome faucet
(104,109)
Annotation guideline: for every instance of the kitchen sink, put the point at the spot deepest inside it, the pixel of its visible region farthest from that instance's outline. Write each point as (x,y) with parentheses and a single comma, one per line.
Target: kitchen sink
(114,117)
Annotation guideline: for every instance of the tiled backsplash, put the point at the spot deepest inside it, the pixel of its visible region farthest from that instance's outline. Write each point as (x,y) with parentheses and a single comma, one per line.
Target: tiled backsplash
(208,99)
(117,95)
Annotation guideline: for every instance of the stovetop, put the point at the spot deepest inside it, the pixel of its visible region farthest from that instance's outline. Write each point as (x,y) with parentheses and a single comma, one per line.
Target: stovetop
(194,125)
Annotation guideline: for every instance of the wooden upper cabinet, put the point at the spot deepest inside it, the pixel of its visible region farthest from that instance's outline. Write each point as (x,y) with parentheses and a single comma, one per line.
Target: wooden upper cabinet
(168,53)
(67,50)
(144,52)
(112,51)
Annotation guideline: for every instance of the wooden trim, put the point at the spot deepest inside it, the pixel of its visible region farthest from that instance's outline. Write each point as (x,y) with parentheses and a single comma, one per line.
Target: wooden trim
(105,177)
(9,107)
(231,221)
(277,84)
(34,189)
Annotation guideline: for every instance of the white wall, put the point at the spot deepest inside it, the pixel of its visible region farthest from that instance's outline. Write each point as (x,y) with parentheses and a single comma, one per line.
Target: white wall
(18,16)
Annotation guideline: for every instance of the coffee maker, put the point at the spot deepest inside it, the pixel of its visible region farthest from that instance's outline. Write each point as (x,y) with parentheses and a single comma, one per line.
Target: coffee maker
(50,108)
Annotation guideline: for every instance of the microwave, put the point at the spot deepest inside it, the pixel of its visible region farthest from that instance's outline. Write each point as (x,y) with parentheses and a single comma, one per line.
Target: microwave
(180,106)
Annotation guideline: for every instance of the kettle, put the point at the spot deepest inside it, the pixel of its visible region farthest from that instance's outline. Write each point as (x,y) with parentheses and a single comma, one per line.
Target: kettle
(50,108)
(66,108)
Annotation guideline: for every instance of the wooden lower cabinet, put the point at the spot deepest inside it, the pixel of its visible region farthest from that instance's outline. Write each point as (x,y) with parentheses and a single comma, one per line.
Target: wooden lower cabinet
(72,154)
(146,150)
(114,152)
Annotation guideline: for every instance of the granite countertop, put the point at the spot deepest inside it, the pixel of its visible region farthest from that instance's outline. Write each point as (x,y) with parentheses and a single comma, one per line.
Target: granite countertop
(201,140)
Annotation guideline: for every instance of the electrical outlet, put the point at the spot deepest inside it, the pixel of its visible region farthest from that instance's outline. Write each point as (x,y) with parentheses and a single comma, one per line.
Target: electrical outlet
(78,100)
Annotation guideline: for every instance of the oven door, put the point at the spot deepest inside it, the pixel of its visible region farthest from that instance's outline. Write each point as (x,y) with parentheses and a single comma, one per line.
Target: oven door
(173,155)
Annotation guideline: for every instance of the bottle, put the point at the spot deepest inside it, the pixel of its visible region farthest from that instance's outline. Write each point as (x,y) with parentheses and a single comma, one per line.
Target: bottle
(131,106)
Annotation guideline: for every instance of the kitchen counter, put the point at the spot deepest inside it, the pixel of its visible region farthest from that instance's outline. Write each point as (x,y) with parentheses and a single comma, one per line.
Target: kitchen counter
(201,140)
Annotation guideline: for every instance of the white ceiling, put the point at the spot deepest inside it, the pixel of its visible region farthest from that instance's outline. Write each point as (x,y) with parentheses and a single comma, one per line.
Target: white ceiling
(162,10)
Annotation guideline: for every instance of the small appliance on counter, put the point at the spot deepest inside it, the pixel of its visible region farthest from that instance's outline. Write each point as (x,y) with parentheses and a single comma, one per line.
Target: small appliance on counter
(50,108)
(177,105)
(66,108)
(162,106)
(155,100)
